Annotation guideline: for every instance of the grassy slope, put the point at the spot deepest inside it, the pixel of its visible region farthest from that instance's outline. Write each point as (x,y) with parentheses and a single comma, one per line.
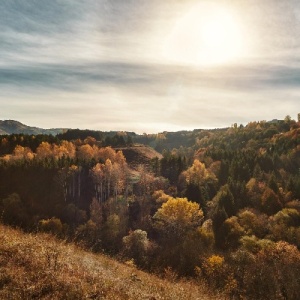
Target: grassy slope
(41,267)
(139,155)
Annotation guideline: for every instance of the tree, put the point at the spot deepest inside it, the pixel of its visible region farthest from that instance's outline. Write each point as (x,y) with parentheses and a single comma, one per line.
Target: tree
(44,150)
(96,213)
(270,202)
(254,190)
(118,176)
(23,153)
(88,234)
(97,174)
(136,245)
(85,153)
(66,180)
(199,182)
(273,274)
(107,175)
(253,222)
(215,271)
(287,119)
(273,184)
(106,153)
(198,174)
(233,232)
(177,216)
(112,233)
(13,211)
(225,199)
(177,223)
(65,149)
(219,216)
(285,226)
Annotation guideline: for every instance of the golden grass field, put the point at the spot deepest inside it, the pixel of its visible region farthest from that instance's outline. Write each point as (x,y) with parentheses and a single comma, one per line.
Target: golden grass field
(39,266)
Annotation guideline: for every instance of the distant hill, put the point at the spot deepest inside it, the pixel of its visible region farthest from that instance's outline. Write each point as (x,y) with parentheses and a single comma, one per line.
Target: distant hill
(14,127)
(235,137)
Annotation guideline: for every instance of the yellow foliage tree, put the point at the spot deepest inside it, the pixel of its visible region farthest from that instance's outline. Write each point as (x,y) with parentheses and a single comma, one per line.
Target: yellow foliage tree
(177,222)
(85,152)
(44,150)
(178,215)
(197,174)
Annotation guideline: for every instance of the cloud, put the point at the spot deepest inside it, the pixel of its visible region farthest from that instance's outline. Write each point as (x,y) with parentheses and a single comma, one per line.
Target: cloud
(119,95)
(99,64)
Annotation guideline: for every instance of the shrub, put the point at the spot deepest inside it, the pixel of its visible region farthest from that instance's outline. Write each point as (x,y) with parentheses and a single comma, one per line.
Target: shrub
(52,225)
(136,245)
(214,270)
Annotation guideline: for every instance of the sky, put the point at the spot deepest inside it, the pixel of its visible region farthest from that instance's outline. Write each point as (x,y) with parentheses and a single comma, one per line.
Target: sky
(148,66)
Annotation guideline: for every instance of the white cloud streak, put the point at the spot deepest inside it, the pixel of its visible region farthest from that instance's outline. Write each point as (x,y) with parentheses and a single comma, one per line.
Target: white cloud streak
(99,65)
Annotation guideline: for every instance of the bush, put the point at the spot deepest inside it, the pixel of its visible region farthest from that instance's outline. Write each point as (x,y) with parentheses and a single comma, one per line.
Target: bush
(88,234)
(136,245)
(214,270)
(14,212)
(52,225)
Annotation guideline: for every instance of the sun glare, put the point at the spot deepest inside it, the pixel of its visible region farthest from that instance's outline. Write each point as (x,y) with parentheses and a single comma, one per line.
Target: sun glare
(206,35)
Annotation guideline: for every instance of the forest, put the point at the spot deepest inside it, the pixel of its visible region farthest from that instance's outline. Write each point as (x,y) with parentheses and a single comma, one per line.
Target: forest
(220,206)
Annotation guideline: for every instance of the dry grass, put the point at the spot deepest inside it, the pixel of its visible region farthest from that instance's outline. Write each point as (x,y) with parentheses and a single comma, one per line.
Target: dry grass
(139,155)
(41,267)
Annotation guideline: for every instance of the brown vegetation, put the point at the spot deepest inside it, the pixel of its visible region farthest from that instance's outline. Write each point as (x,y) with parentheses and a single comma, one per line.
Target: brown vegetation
(139,155)
(224,210)
(38,266)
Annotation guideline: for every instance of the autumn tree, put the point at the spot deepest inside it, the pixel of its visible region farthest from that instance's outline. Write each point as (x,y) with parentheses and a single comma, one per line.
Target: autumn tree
(89,236)
(178,215)
(85,153)
(253,222)
(136,245)
(142,205)
(119,174)
(233,231)
(96,213)
(97,174)
(254,191)
(215,271)
(270,202)
(65,149)
(271,273)
(177,222)
(105,153)
(199,183)
(44,150)
(13,211)
(113,231)
(110,178)
(22,153)
(285,226)
(68,179)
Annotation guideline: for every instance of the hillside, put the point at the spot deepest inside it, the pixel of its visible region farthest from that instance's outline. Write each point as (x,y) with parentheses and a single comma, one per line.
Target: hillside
(223,206)
(36,266)
(15,127)
(139,155)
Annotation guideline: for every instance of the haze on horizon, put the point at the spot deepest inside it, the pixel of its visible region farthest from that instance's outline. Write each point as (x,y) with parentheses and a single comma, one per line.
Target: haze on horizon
(148,66)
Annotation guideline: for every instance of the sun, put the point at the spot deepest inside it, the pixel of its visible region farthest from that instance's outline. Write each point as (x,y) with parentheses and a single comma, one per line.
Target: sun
(206,35)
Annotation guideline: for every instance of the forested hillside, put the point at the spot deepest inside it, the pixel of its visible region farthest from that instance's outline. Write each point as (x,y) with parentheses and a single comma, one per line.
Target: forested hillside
(219,205)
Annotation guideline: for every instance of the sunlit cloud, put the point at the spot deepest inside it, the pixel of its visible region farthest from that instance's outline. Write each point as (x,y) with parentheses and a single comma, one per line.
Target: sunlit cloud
(102,65)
